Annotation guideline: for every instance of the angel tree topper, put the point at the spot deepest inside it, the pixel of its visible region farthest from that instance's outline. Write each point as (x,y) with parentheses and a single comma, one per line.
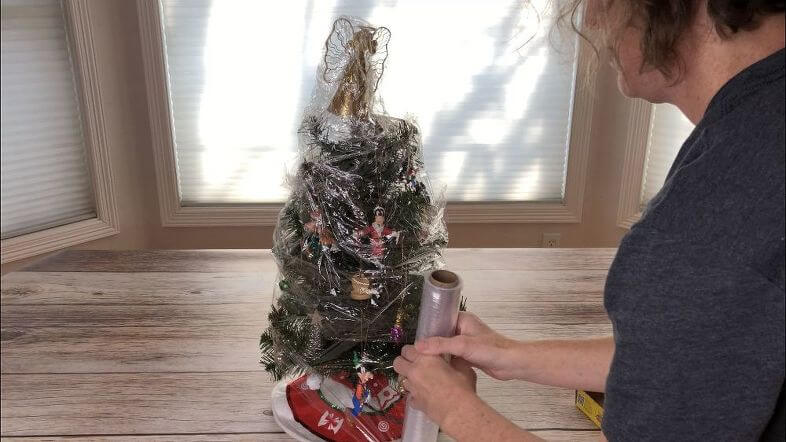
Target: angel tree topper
(362,69)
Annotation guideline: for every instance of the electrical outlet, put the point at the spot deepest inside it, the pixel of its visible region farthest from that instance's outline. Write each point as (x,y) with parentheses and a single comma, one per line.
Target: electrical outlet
(550,240)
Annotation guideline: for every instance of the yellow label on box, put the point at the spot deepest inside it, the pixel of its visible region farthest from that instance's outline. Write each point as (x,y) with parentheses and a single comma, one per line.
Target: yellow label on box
(590,406)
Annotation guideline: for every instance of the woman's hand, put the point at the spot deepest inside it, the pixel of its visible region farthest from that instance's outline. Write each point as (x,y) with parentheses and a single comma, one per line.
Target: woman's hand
(435,386)
(446,393)
(479,345)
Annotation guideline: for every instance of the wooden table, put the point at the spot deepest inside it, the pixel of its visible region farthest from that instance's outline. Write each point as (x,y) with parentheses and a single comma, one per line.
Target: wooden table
(164,344)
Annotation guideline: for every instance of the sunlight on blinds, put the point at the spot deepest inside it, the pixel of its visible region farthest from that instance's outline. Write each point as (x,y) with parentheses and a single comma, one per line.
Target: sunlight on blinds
(492,95)
(668,130)
(45,180)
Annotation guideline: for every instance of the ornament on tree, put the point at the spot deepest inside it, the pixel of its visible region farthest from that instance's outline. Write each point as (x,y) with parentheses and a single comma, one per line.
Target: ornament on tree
(397,332)
(361,288)
(362,391)
(321,233)
(311,247)
(378,233)
(335,264)
(412,182)
(314,343)
(409,179)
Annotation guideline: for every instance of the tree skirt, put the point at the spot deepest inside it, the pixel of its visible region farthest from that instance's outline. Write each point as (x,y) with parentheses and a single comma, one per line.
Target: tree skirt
(311,408)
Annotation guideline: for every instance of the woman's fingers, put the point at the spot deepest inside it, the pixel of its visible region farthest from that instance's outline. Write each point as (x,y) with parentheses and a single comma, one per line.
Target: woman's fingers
(467,323)
(402,366)
(409,353)
(460,364)
(457,345)
(431,346)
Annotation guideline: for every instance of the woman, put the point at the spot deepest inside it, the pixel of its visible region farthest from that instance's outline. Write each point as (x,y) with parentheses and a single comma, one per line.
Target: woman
(696,291)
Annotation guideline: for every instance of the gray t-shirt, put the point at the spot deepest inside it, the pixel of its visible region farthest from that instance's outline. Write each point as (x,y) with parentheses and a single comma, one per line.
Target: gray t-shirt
(696,291)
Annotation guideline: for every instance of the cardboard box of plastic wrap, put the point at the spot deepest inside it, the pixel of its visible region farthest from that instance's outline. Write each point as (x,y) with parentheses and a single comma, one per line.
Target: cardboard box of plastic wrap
(591,404)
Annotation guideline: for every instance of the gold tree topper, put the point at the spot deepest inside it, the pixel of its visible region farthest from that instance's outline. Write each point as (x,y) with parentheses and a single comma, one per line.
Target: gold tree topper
(355,57)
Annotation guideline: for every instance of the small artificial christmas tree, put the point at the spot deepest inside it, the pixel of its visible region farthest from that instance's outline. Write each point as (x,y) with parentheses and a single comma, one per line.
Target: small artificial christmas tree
(358,230)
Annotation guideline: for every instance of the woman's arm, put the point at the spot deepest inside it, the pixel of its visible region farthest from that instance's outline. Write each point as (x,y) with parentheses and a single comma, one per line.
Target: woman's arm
(554,362)
(549,362)
(473,420)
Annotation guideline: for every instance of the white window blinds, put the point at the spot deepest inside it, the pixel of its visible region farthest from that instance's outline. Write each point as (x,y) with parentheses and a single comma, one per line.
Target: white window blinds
(45,180)
(668,130)
(491,94)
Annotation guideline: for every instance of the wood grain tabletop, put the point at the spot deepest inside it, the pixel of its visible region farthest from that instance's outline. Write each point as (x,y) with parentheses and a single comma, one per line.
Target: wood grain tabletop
(163,344)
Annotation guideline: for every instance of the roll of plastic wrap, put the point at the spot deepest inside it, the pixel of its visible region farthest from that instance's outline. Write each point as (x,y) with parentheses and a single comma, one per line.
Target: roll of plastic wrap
(439,306)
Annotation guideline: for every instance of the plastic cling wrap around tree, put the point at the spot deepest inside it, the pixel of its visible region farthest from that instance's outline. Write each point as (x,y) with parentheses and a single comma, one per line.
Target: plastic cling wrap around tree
(360,228)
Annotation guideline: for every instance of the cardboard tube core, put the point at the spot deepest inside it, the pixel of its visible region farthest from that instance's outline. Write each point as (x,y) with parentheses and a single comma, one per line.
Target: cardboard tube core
(444,278)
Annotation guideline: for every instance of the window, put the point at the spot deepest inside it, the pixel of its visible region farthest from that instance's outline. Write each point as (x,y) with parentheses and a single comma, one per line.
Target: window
(656,134)
(668,131)
(50,199)
(493,97)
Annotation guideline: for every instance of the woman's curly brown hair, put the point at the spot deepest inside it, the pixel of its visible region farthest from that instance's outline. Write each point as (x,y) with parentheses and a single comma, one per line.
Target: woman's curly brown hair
(664,21)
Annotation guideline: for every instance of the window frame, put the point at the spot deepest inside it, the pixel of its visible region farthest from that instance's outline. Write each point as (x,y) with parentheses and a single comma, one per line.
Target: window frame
(79,32)
(174,214)
(629,208)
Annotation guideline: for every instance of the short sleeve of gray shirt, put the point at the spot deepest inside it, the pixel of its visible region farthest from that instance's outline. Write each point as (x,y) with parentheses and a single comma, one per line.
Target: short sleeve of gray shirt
(696,291)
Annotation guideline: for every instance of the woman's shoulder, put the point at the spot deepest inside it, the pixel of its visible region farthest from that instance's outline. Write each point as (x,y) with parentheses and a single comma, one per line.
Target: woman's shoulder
(733,161)
(727,187)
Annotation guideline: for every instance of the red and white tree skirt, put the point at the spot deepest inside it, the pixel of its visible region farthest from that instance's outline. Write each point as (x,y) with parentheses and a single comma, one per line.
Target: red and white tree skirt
(311,408)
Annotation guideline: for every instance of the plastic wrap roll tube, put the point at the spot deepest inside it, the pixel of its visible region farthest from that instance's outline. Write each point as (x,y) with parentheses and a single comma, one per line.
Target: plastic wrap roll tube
(439,306)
